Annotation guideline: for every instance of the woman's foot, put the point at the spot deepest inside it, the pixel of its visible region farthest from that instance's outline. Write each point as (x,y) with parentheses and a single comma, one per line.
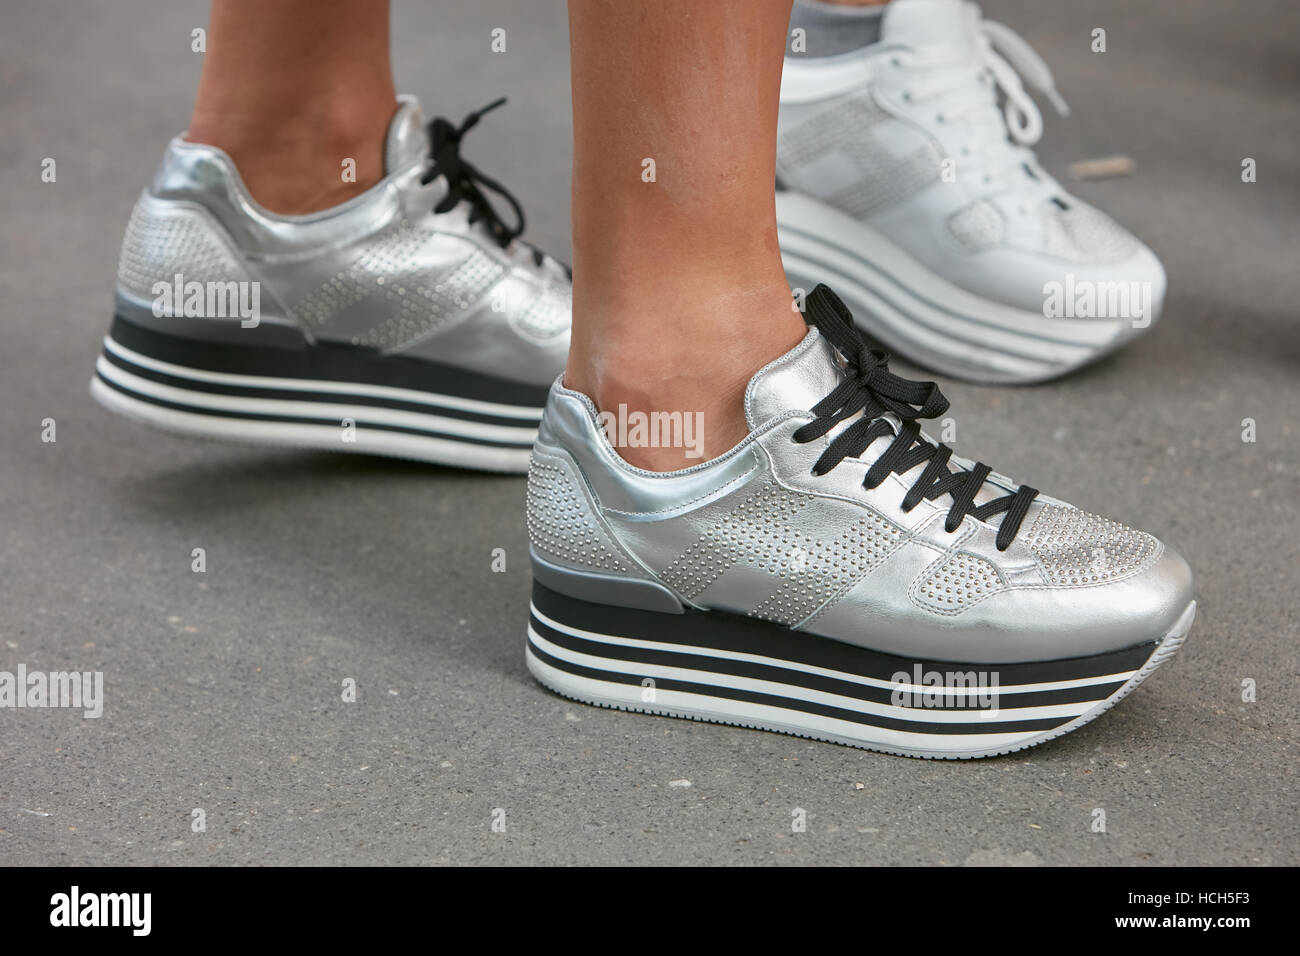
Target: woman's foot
(837,574)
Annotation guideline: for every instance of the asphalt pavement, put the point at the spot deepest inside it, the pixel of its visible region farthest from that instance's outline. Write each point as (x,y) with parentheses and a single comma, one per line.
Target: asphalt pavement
(223,689)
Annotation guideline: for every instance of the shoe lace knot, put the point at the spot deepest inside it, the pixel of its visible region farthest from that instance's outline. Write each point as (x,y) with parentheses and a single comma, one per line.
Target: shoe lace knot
(1013,63)
(466,183)
(966,85)
(874,395)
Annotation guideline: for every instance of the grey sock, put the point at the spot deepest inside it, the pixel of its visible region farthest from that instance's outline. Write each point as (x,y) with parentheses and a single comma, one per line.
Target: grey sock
(830,28)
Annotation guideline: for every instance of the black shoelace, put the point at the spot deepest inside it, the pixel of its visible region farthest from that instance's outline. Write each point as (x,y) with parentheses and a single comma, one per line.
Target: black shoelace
(873,390)
(466,183)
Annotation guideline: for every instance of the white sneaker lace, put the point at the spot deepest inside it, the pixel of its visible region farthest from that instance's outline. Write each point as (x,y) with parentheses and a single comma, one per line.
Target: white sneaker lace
(962,85)
(1018,60)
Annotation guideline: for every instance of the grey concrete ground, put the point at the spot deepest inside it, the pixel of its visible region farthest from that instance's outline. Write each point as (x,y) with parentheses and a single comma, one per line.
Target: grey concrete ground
(223,689)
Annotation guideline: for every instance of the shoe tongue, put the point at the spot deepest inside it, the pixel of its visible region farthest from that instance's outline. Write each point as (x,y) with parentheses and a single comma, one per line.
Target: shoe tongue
(406,142)
(799,379)
(920,23)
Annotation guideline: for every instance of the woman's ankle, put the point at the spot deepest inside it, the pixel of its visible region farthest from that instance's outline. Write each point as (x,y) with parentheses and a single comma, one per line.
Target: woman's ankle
(670,387)
(294,164)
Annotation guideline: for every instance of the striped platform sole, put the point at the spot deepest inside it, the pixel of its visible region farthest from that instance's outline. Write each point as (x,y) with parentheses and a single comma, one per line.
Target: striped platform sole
(925,318)
(331,398)
(734,670)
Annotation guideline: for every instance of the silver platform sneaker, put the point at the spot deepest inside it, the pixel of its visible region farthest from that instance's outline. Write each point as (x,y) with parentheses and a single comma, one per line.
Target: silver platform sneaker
(409,321)
(837,575)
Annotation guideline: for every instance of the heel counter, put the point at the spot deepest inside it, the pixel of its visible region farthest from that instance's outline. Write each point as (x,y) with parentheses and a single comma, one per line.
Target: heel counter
(572,550)
(165,238)
(563,526)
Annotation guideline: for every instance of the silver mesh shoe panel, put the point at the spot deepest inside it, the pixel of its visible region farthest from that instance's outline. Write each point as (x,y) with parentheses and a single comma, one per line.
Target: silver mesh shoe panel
(1075,547)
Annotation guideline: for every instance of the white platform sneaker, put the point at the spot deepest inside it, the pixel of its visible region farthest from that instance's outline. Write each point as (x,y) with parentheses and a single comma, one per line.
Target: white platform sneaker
(905,179)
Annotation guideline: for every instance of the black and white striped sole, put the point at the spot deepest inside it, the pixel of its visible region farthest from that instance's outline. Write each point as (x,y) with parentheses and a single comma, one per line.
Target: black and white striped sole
(728,669)
(318,397)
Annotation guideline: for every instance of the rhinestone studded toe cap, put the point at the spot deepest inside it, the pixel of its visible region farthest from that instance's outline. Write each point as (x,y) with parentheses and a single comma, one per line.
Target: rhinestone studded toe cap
(560,525)
(958,583)
(1078,548)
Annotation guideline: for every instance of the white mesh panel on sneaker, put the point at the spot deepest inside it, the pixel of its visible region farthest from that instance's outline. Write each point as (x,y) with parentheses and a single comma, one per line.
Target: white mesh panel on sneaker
(958,583)
(1075,547)
(163,240)
(979,226)
(866,139)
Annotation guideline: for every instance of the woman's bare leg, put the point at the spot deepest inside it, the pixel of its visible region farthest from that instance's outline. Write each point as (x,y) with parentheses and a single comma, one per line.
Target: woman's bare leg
(679,294)
(290,90)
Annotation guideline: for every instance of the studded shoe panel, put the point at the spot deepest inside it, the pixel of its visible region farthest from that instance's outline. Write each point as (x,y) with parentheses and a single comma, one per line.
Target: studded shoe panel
(547,315)
(761,533)
(1077,548)
(560,524)
(163,240)
(415,301)
(958,583)
(822,571)
(750,533)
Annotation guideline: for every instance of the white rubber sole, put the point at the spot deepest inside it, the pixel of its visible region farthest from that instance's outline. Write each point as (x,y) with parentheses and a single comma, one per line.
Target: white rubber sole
(325,415)
(922,316)
(846,706)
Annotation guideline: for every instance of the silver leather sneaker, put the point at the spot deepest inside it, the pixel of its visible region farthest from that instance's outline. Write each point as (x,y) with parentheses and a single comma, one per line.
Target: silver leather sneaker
(838,574)
(410,321)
